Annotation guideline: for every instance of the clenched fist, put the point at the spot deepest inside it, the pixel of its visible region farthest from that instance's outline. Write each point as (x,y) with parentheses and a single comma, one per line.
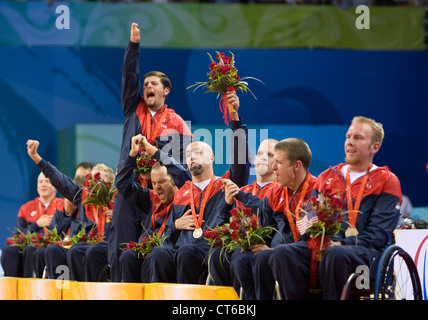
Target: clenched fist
(135,33)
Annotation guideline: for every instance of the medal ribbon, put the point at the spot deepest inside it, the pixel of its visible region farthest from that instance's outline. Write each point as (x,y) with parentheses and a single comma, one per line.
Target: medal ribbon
(162,227)
(353,209)
(198,219)
(287,210)
(256,189)
(149,134)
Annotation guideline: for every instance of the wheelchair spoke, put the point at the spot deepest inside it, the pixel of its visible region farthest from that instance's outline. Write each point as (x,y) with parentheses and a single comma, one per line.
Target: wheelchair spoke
(399,280)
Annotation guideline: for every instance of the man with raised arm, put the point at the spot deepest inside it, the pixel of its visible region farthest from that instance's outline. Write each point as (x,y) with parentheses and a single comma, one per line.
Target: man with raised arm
(196,207)
(144,113)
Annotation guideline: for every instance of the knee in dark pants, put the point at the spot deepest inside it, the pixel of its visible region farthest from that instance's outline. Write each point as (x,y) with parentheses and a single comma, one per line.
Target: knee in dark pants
(190,264)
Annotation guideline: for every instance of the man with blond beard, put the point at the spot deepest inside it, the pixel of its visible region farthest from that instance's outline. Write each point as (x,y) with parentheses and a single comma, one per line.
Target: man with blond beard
(372,195)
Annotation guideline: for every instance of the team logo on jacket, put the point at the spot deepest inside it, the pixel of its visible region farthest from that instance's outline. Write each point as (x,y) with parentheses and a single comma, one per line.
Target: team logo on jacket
(33,213)
(329,181)
(185,193)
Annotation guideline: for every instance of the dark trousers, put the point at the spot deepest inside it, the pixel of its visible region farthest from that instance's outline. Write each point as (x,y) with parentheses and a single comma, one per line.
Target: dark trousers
(125,227)
(56,262)
(219,267)
(290,264)
(76,261)
(264,283)
(131,267)
(96,261)
(12,262)
(87,261)
(39,262)
(241,273)
(19,264)
(183,265)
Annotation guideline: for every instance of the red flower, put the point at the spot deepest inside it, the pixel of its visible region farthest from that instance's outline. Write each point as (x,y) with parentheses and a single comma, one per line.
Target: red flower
(86,184)
(234,212)
(207,233)
(131,245)
(227,60)
(234,235)
(225,69)
(247,212)
(214,235)
(254,223)
(10,241)
(220,55)
(337,202)
(88,176)
(234,225)
(97,176)
(152,162)
(93,233)
(313,200)
(213,65)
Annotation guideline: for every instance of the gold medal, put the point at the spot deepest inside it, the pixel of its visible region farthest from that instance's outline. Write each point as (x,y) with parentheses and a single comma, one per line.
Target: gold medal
(197,219)
(351,232)
(197,233)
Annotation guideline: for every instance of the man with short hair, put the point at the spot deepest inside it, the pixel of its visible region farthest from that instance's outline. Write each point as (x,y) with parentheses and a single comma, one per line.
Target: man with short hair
(33,216)
(144,113)
(281,207)
(372,195)
(156,202)
(196,207)
(219,262)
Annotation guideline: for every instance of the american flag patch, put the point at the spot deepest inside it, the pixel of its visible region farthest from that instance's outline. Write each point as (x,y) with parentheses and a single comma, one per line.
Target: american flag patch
(305,222)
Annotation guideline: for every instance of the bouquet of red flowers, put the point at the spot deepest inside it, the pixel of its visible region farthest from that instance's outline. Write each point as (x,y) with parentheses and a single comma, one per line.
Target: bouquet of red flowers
(39,240)
(220,236)
(146,245)
(327,213)
(223,77)
(100,192)
(93,237)
(20,240)
(243,231)
(145,162)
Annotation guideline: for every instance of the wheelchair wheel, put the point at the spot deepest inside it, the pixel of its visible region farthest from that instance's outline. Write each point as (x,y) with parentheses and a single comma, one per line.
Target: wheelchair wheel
(397,277)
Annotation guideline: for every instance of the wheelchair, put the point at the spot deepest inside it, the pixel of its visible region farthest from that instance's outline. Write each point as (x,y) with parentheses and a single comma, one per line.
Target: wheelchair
(393,276)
